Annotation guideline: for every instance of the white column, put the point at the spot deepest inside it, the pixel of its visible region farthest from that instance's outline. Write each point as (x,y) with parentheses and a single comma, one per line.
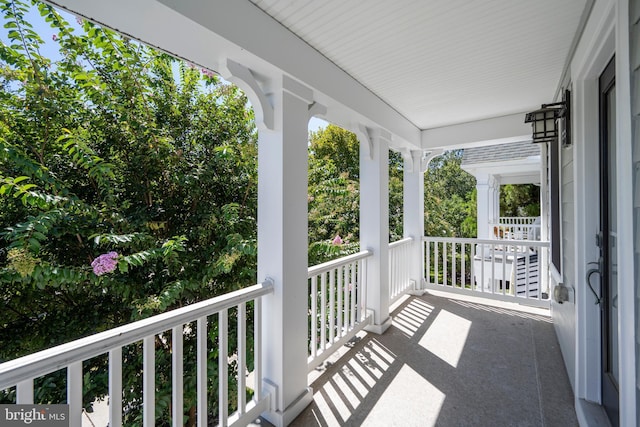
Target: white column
(484,203)
(282,107)
(413,212)
(496,201)
(282,243)
(374,221)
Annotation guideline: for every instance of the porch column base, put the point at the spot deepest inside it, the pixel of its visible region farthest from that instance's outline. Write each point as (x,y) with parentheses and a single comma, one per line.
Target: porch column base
(379,329)
(417,291)
(283,418)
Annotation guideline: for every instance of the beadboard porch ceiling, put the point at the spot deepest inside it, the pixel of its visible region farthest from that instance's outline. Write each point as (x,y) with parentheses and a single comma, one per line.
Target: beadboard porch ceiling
(441,62)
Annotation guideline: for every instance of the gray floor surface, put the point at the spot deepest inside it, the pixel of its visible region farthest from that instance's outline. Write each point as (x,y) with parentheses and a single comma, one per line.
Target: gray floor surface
(447,362)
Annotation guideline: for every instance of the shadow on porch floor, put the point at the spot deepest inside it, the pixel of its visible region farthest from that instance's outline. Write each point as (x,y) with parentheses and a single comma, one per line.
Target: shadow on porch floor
(448,362)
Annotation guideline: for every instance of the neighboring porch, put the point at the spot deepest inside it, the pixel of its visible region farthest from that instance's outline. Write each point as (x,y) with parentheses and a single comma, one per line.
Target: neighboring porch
(497,165)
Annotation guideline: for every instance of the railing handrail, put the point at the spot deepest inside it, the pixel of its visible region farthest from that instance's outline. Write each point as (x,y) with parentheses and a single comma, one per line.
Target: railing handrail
(542,244)
(518,218)
(504,224)
(55,358)
(330,265)
(400,242)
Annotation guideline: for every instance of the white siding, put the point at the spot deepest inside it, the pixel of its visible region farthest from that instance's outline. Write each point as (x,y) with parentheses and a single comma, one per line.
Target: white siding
(564,314)
(635,111)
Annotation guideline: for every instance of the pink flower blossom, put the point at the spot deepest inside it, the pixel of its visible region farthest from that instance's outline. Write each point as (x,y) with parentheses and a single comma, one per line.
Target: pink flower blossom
(207,73)
(79,20)
(337,240)
(105,263)
(54,37)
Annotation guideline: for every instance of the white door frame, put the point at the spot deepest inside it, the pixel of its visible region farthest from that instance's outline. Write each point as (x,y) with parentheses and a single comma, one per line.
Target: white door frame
(587,66)
(606,34)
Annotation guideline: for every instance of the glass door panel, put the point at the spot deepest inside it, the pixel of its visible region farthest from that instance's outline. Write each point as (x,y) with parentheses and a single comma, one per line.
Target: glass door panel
(608,244)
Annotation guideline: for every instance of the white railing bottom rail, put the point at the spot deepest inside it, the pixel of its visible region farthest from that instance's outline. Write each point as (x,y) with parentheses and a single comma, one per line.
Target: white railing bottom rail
(400,253)
(23,371)
(337,304)
(511,270)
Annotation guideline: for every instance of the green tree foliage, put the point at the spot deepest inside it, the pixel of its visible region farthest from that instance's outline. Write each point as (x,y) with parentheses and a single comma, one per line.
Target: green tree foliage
(339,146)
(448,197)
(520,200)
(115,147)
(334,198)
(470,223)
(333,185)
(396,203)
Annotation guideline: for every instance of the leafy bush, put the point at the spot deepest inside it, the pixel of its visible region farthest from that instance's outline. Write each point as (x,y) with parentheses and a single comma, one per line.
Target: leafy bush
(116,155)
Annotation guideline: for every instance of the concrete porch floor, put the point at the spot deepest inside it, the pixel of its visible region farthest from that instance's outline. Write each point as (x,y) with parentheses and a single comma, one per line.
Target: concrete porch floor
(448,362)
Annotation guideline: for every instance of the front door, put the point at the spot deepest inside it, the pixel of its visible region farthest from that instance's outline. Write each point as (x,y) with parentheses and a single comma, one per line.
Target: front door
(608,244)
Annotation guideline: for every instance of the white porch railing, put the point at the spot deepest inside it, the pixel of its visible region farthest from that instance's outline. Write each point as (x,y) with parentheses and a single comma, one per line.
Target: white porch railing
(517,228)
(498,269)
(399,268)
(337,304)
(21,372)
(337,312)
(518,220)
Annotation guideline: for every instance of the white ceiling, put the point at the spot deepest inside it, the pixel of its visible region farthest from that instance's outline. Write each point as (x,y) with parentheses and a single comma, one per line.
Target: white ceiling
(442,62)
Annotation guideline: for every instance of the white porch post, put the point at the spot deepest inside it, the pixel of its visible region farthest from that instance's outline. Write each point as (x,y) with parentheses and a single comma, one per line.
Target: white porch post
(282,253)
(374,221)
(495,194)
(484,184)
(413,212)
(282,118)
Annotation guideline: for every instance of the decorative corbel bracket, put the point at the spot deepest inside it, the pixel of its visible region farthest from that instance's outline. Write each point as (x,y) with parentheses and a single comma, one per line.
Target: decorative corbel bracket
(427,157)
(366,135)
(407,156)
(370,136)
(242,77)
(316,109)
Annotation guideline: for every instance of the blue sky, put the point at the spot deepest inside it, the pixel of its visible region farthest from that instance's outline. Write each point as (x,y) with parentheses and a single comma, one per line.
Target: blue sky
(50,48)
(316,123)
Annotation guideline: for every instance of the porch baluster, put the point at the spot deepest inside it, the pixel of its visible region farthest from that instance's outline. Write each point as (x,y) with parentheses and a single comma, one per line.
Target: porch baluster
(242,358)
(74,393)
(223,367)
(323,311)
(454,263)
(115,387)
(332,302)
(201,351)
(149,381)
(24,392)
(352,292)
(177,377)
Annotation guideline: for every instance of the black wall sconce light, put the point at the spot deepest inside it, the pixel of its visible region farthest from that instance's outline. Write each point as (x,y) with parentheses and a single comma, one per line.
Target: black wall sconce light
(552,121)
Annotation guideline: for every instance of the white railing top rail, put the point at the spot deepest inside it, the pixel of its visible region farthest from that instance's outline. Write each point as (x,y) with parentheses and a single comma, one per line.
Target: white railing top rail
(400,242)
(487,241)
(522,219)
(330,265)
(50,360)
